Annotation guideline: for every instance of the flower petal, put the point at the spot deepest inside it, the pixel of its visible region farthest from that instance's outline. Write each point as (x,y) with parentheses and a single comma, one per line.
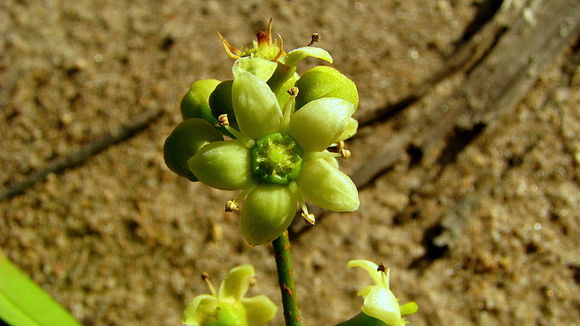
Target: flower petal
(237,282)
(327,187)
(320,122)
(350,130)
(257,110)
(267,212)
(199,309)
(382,304)
(295,56)
(184,141)
(259,310)
(259,67)
(368,266)
(223,165)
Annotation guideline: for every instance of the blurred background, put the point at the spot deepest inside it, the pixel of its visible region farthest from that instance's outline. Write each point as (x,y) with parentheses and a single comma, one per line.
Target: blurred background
(466,158)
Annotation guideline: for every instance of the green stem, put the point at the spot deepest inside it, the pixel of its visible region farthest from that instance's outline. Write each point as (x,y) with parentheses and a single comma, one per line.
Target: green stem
(286,279)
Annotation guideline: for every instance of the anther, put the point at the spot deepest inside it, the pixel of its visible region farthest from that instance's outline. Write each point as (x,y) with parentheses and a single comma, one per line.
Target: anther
(381,268)
(232,205)
(314,38)
(309,218)
(293,91)
(253,281)
(345,154)
(223,120)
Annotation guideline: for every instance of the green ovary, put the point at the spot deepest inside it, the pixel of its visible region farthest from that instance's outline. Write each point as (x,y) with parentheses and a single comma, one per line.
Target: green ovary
(276,159)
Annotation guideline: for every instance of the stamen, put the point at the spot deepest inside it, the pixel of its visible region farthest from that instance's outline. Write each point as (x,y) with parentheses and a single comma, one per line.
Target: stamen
(205,278)
(288,109)
(345,154)
(309,218)
(242,196)
(320,155)
(232,205)
(314,38)
(223,120)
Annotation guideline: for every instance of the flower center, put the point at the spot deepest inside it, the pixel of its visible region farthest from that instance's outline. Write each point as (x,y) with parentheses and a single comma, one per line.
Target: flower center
(276,159)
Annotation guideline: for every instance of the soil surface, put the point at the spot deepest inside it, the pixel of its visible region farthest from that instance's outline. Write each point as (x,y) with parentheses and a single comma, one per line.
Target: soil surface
(121,240)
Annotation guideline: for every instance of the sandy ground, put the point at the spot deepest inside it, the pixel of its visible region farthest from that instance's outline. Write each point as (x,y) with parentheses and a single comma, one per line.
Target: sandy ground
(121,240)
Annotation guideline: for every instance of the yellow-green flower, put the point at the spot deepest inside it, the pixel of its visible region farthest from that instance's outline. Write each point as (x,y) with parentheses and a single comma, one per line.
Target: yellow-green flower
(279,157)
(379,301)
(278,154)
(229,307)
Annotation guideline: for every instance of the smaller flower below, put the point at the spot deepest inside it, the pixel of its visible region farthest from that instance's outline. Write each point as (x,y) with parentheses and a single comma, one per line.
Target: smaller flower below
(229,307)
(379,301)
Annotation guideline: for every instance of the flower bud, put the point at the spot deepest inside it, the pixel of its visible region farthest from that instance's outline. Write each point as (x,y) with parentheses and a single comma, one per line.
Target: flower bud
(186,140)
(195,104)
(323,81)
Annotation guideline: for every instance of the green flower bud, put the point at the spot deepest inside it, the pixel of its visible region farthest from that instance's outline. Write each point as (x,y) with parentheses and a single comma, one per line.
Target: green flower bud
(224,165)
(195,104)
(186,140)
(323,81)
(267,212)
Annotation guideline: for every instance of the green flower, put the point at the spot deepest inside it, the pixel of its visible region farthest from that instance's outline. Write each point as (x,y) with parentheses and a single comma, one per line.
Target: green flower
(278,154)
(380,303)
(229,307)
(279,158)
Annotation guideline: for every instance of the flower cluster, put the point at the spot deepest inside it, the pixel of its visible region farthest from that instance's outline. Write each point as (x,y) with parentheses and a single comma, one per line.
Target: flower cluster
(284,133)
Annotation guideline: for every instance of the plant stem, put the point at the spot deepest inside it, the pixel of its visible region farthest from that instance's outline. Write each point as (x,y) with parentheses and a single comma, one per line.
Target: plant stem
(286,279)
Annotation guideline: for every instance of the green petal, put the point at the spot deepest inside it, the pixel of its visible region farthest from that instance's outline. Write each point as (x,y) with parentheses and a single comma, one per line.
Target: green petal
(199,310)
(257,110)
(382,304)
(320,123)
(327,187)
(323,81)
(351,129)
(259,67)
(236,282)
(259,310)
(368,266)
(184,141)
(295,56)
(195,103)
(223,165)
(267,212)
